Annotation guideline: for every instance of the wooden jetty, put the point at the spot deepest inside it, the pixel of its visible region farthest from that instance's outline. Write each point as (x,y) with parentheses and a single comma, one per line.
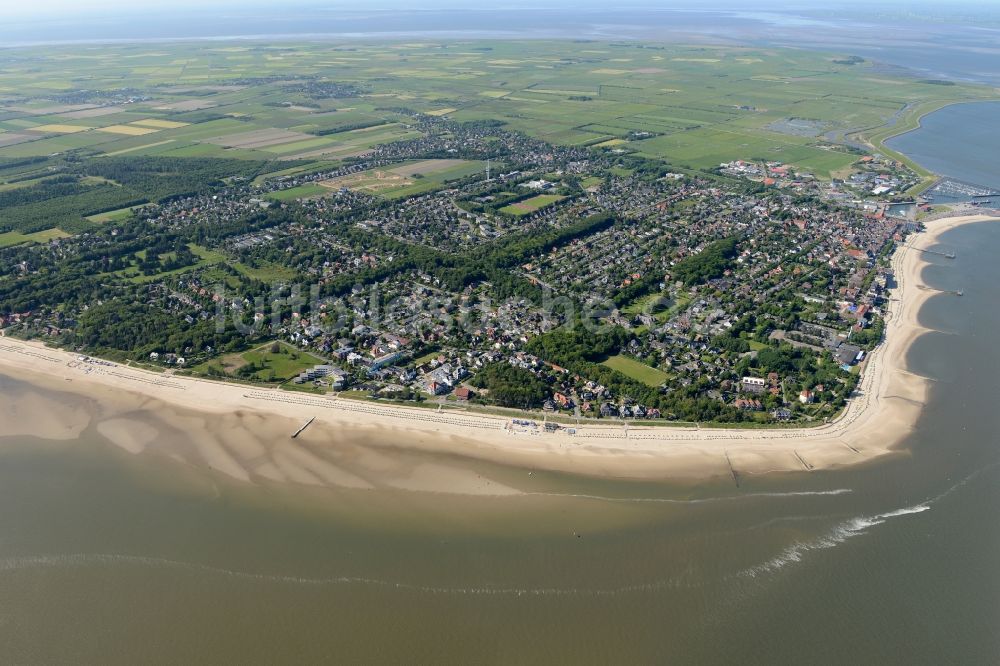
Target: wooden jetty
(946,255)
(304,426)
(808,467)
(732,470)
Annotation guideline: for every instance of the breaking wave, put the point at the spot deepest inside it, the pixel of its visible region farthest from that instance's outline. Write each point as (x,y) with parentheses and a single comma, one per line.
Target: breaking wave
(852,528)
(838,535)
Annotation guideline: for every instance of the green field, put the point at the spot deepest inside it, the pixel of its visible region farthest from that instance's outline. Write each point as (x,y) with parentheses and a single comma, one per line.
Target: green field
(695,106)
(636,370)
(206,258)
(652,304)
(409,178)
(304,169)
(529,206)
(114,215)
(281,366)
(10,238)
(265,272)
(300,192)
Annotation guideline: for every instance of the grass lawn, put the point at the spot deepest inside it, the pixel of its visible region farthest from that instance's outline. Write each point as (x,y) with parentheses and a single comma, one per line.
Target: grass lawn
(683,301)
(19,184)
(266,272)
(10,238)
(207,258)
(115,215)
(308,387)
(300,192)
(662,311)
(210,256)
(409,179)
(636,370)
(756,346)
(529,206)
(427,357)
(281,366)
(652,304)
(312,167)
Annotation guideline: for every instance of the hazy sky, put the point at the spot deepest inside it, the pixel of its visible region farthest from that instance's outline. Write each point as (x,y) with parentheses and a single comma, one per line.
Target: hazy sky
(84,6)
(27,9)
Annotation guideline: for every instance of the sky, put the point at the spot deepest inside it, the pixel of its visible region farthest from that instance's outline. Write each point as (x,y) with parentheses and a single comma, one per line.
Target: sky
(57,7)
(939,38)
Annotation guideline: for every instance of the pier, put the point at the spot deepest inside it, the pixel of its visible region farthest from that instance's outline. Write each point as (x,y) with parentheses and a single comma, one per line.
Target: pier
(953,292)
(304,426)
(946,255)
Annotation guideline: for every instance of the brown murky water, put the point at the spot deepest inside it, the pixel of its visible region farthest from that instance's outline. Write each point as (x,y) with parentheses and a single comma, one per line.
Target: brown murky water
(108,557)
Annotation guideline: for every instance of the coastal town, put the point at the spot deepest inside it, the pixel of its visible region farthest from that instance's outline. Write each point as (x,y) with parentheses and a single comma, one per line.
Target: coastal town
(655,332)
(581,283)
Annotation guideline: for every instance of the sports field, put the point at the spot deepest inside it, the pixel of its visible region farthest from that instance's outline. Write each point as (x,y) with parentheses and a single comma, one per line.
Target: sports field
(529,206)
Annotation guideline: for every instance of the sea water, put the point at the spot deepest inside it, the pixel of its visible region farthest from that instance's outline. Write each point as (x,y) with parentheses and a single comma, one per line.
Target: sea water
(112,558)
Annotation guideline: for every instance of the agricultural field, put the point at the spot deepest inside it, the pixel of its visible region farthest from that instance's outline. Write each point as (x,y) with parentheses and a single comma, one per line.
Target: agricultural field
(692,106)
(114,215)
(10,238)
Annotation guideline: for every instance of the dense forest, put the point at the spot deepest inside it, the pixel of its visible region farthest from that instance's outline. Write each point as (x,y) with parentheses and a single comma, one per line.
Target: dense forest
(510,386)
(710,263)
(96,186)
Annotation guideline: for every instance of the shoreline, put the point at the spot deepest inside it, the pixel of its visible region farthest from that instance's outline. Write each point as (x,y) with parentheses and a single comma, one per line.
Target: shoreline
(879,144)
(884,409)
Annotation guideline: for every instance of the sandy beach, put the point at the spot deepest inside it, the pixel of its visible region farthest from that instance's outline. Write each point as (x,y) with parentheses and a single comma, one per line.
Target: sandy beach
(245,432)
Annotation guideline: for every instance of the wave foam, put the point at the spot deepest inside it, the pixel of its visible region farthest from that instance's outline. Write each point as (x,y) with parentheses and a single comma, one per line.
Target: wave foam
(836,536)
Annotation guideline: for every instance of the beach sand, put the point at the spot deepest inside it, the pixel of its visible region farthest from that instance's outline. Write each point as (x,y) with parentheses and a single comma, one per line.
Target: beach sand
(245,432)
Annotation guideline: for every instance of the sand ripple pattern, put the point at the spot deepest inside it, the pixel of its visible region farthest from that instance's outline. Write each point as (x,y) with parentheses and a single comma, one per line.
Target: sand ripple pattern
(360,407)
